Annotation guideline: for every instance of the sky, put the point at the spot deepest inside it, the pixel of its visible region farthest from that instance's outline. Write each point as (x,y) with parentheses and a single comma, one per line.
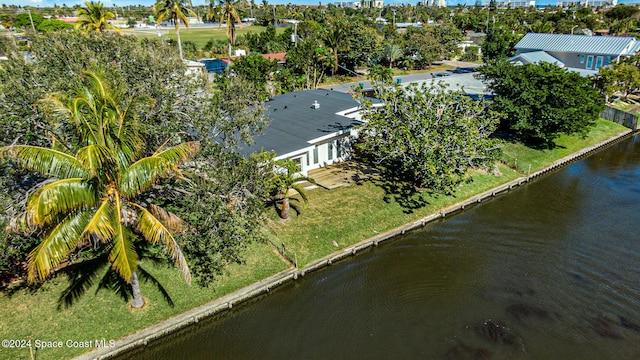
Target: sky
(45,3)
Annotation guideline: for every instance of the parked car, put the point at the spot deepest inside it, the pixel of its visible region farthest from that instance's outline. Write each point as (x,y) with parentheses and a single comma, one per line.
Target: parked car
(441,74)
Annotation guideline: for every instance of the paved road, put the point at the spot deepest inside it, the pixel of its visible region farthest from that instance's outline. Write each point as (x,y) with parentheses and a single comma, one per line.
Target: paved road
(461,77)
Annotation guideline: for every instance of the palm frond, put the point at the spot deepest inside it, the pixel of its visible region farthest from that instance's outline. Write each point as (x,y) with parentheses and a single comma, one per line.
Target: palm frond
(123,256)
(100,223)
(179,153)
(169,219)
(155,232)
(58,197)
(302,193)
(56,246)
(45,161)
(95,157)
(143,173)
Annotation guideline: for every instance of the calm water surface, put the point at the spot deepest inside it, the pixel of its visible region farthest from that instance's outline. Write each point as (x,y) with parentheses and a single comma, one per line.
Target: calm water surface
(549,271)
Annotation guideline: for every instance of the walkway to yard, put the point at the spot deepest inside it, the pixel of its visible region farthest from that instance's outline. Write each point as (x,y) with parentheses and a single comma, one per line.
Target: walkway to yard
(341,174)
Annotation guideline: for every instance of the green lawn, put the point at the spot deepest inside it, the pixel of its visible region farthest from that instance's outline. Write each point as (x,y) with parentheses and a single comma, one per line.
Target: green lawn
(34,316)
(537,159)
(346,216)
(200,36)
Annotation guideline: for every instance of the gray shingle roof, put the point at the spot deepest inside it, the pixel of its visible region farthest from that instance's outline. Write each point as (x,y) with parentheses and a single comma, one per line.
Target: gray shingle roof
(605,45)
(293,121)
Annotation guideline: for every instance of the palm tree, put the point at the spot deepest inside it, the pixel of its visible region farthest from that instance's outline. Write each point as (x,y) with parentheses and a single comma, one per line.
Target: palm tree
(229,16)
(177,11)
(92,197)
(392,52)
(285,179)
(94,17)
(334,39)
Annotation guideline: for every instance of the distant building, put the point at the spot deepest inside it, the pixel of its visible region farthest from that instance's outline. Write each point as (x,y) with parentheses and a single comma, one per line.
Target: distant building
(379,4)
(434,3)
(516,4)
(586,3)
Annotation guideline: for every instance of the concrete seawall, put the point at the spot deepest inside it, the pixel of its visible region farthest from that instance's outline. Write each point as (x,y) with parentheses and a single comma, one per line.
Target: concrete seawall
(143,337)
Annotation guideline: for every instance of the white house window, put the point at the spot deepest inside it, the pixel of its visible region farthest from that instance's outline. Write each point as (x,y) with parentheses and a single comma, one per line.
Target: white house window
(590,62)
(607,60)
(581,58)
(330,151)
(315,155)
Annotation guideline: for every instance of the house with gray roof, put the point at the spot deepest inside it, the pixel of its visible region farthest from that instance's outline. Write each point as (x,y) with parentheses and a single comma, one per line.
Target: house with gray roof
(581,53)
(310,127)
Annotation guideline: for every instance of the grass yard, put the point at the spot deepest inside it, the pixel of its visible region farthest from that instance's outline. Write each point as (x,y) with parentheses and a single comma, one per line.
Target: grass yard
(524,156)
(345,215)
(34,316)
(198,35)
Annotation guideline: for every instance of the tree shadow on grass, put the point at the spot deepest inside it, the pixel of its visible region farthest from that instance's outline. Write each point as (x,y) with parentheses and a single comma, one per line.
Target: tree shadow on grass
(403,193)
(82,277)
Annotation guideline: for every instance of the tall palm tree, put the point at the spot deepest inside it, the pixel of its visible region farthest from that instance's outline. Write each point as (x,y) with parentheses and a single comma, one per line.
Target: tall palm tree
(177,11)
(334,39)
(94,17)
(285,178)
(92,197)
(229,16)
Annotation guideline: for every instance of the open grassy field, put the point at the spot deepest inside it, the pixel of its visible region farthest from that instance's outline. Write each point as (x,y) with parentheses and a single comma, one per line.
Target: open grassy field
(345,215)
(198,35)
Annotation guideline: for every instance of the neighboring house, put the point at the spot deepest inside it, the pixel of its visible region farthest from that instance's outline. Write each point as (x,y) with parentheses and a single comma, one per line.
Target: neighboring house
(310,127)
(581,53)
(194,68)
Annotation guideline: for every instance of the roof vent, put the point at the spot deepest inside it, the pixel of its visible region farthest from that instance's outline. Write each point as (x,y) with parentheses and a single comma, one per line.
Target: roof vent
(315,105)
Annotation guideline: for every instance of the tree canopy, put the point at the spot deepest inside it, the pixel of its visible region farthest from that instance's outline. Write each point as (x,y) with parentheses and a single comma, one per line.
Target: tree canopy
(426,136)
(540,102)
(180,109)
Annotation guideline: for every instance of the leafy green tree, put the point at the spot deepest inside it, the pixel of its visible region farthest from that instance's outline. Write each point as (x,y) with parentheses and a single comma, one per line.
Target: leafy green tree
(92,200)
(177,11)
(540,102)
(95,17)
(254,68)
(222,119)
(311,59)
(499,44)
(53,25)
(24,22)
(380,74)
(470,54)
(422,46)
(285,179)
(426,136)
(622,78)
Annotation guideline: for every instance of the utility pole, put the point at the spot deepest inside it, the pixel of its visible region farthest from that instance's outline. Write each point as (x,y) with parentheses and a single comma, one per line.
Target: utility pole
(31,19)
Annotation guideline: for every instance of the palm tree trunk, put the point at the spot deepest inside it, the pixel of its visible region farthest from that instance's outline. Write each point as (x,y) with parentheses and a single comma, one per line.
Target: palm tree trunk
(229,53)
(284,212)
(179,42)
(137,301)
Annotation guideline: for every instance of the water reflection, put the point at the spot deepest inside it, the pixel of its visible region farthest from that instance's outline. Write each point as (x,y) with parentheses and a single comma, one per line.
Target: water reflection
(549,271)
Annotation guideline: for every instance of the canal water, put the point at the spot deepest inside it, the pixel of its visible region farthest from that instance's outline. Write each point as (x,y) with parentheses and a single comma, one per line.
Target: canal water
(548,271)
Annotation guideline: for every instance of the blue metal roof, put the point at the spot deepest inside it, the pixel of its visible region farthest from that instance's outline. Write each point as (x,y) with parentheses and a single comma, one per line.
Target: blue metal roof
(580,44)
(536,57)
